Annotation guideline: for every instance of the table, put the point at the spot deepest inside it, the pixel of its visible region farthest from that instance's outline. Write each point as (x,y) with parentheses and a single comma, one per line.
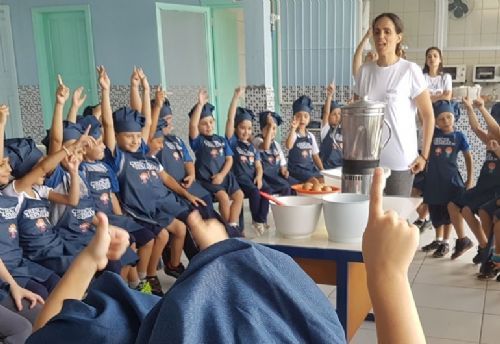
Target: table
(338,264)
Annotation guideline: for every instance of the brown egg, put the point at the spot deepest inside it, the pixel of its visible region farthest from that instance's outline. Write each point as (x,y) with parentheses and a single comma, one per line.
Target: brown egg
(307,186)
(316,187)
(314,181)
(327,188)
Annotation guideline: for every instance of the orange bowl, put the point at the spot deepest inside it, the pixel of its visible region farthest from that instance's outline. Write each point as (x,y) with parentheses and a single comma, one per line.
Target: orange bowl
(300,190)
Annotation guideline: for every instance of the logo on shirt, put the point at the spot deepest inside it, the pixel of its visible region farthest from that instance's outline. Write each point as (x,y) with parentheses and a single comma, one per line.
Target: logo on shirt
(101,184)
(104,198)
(306,153)
(448,151)
(491,167)
(41,225)
(438,151)
(36,213)
(82,214)
(8,213)
(214,153)
(12,231)
(144,177)
(176,155)
(84,227)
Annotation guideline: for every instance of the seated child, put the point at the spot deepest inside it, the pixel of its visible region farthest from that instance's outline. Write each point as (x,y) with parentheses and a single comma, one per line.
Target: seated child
(275,172)
(330,150)
(214,159)
(443,181)
(304,162)
(247,166)
(487,185)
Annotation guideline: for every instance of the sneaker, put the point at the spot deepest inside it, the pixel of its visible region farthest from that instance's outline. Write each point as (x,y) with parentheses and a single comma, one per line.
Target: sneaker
(144,287)
(442,250)
(461,246)
(154,282)
(488,270)
(423,225)
(432,246)
(258,228)
(174,272)
(481,255)
(234,232)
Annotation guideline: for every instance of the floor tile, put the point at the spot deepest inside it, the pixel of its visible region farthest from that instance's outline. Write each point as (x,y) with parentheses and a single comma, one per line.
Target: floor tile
(492,303)
(326,289)
(451,273)
(450,298)
(431,340)
(493,285)
(364,336)
(490,333)
(439,323)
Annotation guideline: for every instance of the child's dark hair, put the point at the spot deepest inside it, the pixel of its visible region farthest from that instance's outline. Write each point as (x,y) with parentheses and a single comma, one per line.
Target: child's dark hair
(440,67)
(398,24)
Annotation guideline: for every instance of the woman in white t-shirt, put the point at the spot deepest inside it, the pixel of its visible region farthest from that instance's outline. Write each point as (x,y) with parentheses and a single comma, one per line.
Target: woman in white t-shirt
(402,86)
(438,83)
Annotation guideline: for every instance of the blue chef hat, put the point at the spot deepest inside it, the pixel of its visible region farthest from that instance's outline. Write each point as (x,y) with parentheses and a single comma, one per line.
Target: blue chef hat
(23,155)
(441,106)
(126,119)
(165,109)
(335,105)
(495,112)
(263,118)
(95,125)
(205,112)
(243,114)
(72,131)
(304,103)
(159,128)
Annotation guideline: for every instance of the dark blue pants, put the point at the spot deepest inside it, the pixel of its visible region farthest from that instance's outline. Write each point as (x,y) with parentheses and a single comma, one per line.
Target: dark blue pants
(259,206)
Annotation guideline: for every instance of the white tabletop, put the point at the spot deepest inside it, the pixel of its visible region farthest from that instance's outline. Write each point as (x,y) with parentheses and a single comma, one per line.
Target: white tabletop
(405,206)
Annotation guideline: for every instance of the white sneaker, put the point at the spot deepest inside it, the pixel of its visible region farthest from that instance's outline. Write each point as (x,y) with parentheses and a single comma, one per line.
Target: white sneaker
(258,228)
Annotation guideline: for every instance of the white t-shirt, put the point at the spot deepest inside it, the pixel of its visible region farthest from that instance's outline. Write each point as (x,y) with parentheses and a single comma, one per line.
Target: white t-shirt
(315,148)
(41,192)
(257,142)
(438,84)
(397,85)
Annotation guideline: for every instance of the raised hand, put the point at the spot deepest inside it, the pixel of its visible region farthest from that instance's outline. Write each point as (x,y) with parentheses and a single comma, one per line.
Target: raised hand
(239,91)
(4,114)
(330,89)
(143,77)
(466,101)
(135,79)
(79,97)
(62,92)
(479,102)
(202,97)
(160,96)
(295,124)
(104,81)
(73,163)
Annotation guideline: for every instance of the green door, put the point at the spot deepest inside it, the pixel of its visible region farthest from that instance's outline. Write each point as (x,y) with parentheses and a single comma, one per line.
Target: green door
(63,40)
(229,57)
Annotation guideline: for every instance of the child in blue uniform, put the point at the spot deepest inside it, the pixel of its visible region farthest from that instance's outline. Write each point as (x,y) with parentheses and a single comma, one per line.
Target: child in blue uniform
(275,171)
(141,178)
(443,181)
(214,159)
(330,150)
(304,162)
(486,189)
(247,166)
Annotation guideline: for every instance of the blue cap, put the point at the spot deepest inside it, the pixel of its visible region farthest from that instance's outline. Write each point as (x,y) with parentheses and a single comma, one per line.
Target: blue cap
(95,125)
(304,103)
(495,112)
(243,114)
(334,105)
(263,118)
(205,112)
(72,131)
(159,128)
(23,155)
(127,120)
(441,106)
(165,108)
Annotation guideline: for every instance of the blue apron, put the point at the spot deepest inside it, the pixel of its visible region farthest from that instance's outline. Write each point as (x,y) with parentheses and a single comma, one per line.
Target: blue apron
(330,151)
(99,185)
(244,158)
(300,161)
(172,159)
(489,177)
(271,165)
(143,192)
(210,158)
(38,238)
(10,252)
(75,225)
(443,181)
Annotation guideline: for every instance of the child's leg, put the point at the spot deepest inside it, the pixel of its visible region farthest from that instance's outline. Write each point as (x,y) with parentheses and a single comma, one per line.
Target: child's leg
(224,204)
(496,231)
(457,219)
(422,211)
(486,222)
(178,231)
(475,226)
(254,201)
(447,232)
(158,246)
(124,272)
(13,327)
(144,254)
(236,205)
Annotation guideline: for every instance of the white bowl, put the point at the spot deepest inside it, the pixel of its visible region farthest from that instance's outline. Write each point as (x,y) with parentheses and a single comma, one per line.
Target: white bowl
(298,218)
(346,216)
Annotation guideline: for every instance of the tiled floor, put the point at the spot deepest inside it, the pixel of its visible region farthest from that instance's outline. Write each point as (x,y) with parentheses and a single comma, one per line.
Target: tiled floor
(454,307)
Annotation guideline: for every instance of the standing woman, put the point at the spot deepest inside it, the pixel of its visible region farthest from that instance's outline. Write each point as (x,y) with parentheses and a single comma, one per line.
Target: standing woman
(402,86)
(438,83)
